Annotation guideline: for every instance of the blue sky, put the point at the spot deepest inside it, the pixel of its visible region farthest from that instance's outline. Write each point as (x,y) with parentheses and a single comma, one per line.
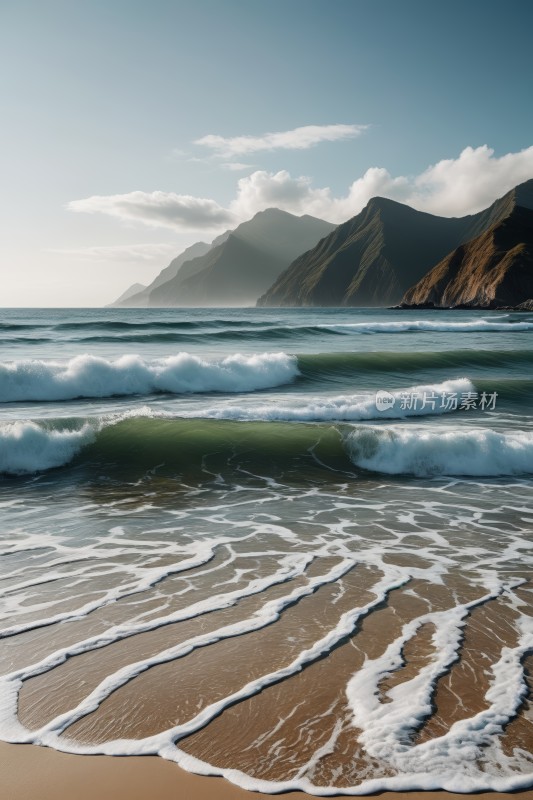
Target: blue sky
(102,103)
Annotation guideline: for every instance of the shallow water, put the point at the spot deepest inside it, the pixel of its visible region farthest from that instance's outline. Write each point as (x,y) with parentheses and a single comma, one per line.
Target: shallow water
(216,547)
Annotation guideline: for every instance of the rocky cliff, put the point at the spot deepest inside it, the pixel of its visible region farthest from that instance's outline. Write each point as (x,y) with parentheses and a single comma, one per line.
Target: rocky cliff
(494,269)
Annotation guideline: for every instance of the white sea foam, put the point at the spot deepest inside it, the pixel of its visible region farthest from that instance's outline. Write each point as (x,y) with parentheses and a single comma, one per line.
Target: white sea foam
(406,326)
(407,450)
(387,726)
(455,757)
(347,408)
(92,376)
(26,447)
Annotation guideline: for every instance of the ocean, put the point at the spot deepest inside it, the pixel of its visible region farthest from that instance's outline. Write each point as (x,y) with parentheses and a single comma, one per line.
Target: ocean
(292,547)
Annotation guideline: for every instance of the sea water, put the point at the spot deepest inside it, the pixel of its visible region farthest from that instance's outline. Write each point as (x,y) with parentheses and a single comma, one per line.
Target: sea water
(291,547)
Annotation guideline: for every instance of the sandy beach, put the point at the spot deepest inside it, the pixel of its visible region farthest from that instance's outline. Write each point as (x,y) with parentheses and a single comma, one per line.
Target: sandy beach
(36,773)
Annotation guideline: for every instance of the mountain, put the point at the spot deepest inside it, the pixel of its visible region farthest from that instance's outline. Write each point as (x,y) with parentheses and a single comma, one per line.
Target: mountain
(519,197)
(494,269)
(138,296)
(370,260)
(240,268)
(375,257)
(134,290)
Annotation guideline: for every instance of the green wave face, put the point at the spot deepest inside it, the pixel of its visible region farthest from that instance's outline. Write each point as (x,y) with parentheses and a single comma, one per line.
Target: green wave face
(317,364)
(200,450)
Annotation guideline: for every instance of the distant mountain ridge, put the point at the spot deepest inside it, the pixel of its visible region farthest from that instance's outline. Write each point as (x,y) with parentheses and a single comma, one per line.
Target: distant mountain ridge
(238,266)
(386,255)
(141,296)
(132,292)
(370,260)
(374,258)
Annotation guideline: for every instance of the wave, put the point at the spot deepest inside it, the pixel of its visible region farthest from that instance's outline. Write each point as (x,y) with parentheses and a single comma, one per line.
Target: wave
(423,452)
(261,329)
(190,330)
(207,333)
(91,376)
(25,340)
(409,326)
(349,408)
(193,330)
(266,327)
(198,450)
(140,441)
(345,364)
(174,324)
(15,326)
(183,330)
(27,447)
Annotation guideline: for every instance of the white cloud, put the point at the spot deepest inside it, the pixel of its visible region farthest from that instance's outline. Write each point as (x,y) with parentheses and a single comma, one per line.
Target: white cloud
(296,139)
(120,252)
(262,190)
(451,187)
(298,196)
(467,184)
(159,209)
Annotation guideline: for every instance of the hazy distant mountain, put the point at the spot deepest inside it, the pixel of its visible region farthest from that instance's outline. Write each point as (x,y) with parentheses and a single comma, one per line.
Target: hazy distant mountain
(244,265)
(373,259)
(138,295)
(493,269)
(134,290)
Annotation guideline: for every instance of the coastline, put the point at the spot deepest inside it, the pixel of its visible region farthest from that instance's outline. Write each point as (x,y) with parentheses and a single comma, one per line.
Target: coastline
(139,502)
(29,772)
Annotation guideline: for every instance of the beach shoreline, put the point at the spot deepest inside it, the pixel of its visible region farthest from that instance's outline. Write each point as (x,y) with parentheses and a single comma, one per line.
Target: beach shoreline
(304,590)
(29,772)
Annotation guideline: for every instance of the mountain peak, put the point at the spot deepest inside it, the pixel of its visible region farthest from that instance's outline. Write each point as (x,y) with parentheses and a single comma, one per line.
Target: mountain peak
(382,202)
(272,212)
(523,194)
(239,269)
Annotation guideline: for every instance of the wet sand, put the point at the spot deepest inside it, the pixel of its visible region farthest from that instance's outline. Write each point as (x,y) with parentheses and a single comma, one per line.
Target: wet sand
(28,772)
(247,655)
(275,733)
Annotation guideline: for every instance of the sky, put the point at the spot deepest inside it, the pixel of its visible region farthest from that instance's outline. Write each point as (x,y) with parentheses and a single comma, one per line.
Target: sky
(130,130)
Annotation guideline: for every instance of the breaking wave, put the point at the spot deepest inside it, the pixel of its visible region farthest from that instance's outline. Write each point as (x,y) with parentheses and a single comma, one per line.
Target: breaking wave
(91,376)
(27,447)
(346,408)
(96,377)
(424,452)
(201,449)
